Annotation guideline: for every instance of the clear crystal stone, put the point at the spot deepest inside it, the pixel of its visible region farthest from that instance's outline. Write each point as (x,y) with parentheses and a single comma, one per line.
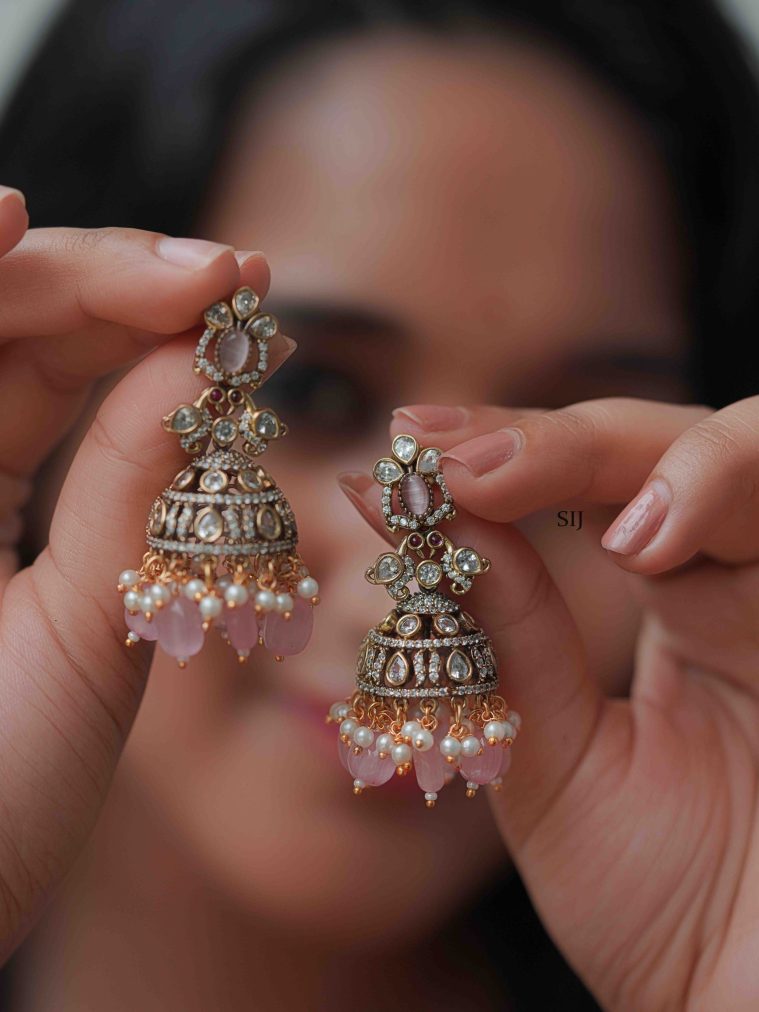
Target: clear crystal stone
(224,431)
(214,481)
(404,448)
(245,302)
(387,471)
(218,315)
(389,567)
(264,327)
(267,425)
(186,418)
(269,524)
(428,460)
(459,666)
(408,625)
(397,670)
(209,526)
(249,480)
(233,350)
(467,560)
(446,624)
(429,573)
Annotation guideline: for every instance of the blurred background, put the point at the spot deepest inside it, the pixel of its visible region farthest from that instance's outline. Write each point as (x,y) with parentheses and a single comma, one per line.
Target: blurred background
(521,203)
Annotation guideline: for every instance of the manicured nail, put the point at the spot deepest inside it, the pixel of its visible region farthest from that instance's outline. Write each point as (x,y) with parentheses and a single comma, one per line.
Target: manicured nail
(290,345)
(484,454)
(10,193)
(190,253)
(433,417)
(356,482)
(637,523)
(244,255)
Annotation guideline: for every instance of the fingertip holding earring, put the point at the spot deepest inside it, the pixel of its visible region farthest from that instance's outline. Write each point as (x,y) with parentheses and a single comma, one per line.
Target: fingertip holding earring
(426,678)
(222,538)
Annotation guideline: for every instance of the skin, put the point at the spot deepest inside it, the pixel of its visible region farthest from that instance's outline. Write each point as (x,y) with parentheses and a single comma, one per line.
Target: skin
(515,260)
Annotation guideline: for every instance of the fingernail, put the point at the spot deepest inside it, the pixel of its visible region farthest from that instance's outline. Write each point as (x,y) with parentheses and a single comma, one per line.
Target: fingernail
(242,256)
(10,193)
(637,523)
(290,345)
(190,253)
(484,454)
(356,482)
(433,417)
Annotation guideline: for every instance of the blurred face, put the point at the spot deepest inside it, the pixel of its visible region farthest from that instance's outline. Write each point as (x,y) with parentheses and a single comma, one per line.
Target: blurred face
(449,222)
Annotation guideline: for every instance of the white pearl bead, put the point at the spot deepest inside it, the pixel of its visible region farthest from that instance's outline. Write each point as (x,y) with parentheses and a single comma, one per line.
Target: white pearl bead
(494,729)
(128,577)
(430,796)
(471,785)
(265,600)
(513,718)
(400,754)
(194,587)
(308,587)
(284,603)
(223,582)
(450,746)
(385,743)
(363,736)
(132,600)
(160,593)
(235,594)
(411,728)
(470,746)
(341,710)
(423,740)
(146,602)
(210,606)
(359,785)
(347,727)
(133,637)
(509,731)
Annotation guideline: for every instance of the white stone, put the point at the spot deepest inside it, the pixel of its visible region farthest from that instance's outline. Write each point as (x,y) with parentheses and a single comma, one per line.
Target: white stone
(405,448)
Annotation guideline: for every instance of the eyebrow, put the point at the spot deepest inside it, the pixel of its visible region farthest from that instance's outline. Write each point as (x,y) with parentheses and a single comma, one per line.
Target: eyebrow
(337,318)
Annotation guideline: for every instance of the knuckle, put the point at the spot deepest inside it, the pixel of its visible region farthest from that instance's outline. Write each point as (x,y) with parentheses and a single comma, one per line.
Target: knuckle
(83,240)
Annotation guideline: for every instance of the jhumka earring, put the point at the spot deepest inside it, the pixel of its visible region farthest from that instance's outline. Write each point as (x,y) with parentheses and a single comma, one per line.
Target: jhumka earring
(426,678)
(222,537)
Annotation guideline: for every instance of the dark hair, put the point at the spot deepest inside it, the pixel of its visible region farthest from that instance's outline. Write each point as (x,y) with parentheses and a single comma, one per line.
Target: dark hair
(123,112)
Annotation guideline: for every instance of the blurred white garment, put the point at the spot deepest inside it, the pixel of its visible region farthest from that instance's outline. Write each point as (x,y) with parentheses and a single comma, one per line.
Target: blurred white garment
(22,25)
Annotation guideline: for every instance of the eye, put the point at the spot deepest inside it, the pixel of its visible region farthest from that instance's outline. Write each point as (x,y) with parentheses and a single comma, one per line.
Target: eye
(321,399)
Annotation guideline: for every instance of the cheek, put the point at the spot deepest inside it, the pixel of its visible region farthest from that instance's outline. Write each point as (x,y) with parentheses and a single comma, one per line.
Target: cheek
(279,831)
(596,592)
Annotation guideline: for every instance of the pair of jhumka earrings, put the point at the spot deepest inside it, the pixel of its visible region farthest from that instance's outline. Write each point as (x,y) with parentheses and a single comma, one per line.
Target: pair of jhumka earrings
(222,554)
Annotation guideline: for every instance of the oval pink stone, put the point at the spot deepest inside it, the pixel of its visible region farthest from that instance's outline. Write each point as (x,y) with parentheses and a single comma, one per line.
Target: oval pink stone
(430,768)
(415,493)
(180,628)
(242,626)
(140,625)
(368,766)
(481,769)
(285,638)
(233,350)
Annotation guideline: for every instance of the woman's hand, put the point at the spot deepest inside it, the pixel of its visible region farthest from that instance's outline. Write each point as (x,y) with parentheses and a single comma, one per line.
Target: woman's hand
(633,821)
(75,305)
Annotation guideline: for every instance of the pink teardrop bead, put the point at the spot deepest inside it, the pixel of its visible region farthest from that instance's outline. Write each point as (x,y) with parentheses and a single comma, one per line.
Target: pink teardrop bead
(481,769)
(285,638)
(180,628)
(368,766)
(140,625)
(242,626)
(415,493)
(430,768)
